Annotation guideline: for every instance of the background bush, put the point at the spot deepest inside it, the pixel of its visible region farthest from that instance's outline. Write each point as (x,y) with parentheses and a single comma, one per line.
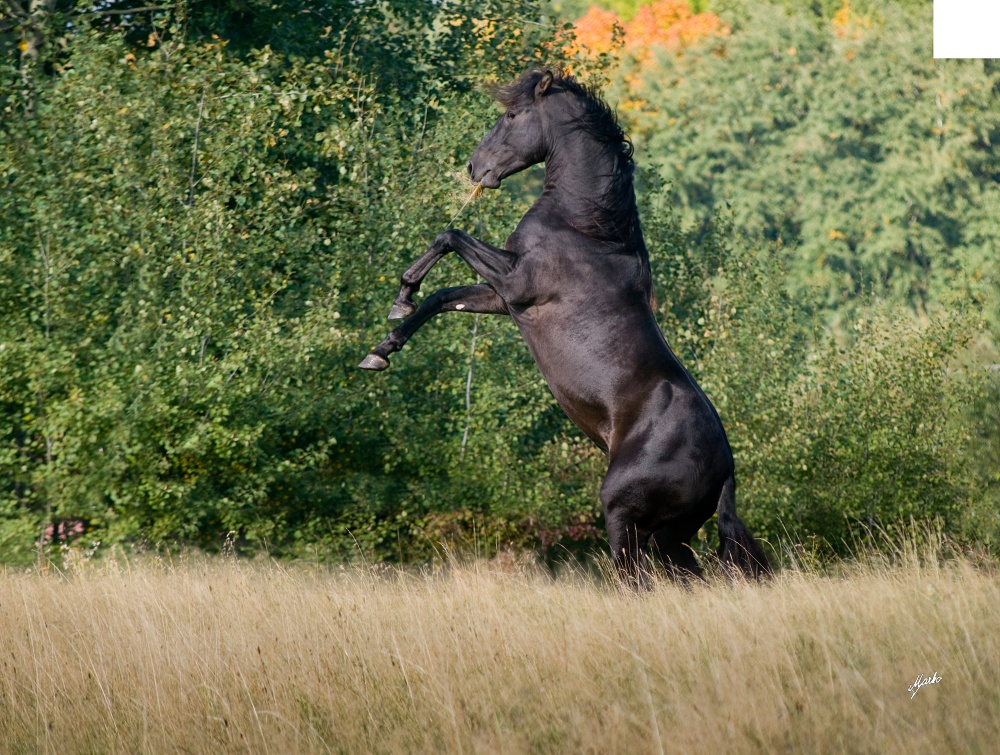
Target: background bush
(204,213)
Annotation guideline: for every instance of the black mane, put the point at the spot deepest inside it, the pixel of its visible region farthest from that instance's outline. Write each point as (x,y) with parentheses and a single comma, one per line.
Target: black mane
(598,120)
(615,214)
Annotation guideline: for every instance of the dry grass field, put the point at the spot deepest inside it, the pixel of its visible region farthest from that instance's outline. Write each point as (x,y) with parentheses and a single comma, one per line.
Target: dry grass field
(225,656)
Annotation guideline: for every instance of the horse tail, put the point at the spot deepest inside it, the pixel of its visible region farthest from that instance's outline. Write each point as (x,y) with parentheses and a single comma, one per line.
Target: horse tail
(738,547)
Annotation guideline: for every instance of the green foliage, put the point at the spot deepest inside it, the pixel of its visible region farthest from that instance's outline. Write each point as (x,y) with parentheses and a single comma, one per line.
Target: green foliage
(572,10)
(198,243)
(831,429)
(203,216)
(828,130)
(872,162)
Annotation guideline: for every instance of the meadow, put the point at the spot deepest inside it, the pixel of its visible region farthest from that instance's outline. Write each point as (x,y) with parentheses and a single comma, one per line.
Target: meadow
(195,655)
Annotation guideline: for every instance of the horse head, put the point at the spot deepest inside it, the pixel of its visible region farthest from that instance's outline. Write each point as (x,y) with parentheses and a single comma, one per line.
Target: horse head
(517,139)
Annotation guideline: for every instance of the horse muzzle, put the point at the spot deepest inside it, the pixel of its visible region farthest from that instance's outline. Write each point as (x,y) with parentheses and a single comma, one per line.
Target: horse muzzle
(487,178)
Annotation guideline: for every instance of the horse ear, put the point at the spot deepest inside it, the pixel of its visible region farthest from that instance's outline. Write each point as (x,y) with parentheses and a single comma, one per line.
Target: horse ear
(543,84)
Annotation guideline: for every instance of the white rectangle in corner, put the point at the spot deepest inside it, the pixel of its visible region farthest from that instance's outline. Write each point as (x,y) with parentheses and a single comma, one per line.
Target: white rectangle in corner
(967,28)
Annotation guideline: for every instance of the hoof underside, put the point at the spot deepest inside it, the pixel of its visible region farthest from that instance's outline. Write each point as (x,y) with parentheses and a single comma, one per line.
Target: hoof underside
(374,362)
(399,311)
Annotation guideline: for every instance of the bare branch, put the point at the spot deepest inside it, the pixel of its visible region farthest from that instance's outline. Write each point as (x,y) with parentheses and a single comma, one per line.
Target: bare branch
(194,154)
(468,387)
(16,9)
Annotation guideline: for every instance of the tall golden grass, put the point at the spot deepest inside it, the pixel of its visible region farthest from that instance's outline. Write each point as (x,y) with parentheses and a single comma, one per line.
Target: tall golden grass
(227,656)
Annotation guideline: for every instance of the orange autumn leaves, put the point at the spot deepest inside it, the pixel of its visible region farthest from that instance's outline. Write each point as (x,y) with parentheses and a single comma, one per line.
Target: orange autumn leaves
(670,24)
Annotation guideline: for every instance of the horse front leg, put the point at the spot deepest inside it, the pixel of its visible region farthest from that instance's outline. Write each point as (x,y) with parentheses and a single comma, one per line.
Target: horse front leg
(489,261)
(478,299)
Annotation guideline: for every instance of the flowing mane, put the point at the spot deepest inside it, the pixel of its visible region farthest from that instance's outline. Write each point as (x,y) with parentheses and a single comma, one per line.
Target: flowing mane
(615,214)
(598,120)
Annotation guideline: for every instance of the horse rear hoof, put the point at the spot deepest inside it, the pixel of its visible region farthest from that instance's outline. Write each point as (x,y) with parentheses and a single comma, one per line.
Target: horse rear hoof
(399,311)
(374,362)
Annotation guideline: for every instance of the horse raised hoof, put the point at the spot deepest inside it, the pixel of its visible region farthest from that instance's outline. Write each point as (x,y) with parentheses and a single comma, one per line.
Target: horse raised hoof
(374,362)
(399,311)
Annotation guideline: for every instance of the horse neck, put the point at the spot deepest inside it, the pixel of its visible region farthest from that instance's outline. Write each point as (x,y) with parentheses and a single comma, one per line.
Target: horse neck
(584,183)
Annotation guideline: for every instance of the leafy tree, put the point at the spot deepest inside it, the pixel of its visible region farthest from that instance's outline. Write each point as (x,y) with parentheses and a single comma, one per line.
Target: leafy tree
(203,213)
(872,162)
(832,431)
(199,240)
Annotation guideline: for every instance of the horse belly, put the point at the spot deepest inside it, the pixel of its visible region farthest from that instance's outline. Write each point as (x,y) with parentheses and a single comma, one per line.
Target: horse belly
(593,388)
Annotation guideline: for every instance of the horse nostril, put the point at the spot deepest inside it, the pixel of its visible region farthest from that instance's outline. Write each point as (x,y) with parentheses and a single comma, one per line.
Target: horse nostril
(468,167)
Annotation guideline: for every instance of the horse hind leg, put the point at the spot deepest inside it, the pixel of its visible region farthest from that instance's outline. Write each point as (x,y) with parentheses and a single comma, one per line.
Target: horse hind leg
(477,299)
(623,506)
(677,557)
(628,552)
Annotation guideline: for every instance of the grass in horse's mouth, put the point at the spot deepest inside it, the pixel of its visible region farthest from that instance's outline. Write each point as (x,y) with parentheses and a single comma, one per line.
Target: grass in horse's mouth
(465,182)
(475,191)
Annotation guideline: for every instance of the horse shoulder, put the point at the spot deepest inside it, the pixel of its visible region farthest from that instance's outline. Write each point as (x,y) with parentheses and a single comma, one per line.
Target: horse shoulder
(530,232)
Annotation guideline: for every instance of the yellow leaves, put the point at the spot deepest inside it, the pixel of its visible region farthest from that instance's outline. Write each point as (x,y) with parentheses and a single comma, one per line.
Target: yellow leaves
(485,30)
(671,24)
(849,25)
(23,47)
(835,234)
(633,105)
(842,18)
(666,23)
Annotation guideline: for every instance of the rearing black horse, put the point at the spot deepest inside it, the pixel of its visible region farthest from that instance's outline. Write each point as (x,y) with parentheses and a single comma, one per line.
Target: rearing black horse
(575,278)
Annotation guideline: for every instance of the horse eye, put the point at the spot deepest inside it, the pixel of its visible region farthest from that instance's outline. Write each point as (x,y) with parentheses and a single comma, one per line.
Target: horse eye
(510,113)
